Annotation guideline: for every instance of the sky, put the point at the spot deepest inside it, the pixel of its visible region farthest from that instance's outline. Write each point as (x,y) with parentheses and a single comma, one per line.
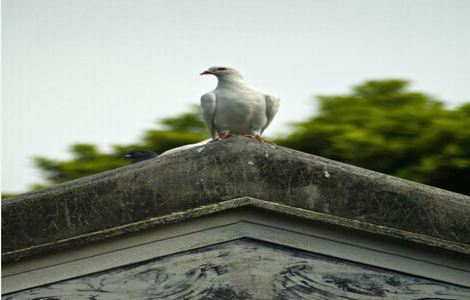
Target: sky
(102,71)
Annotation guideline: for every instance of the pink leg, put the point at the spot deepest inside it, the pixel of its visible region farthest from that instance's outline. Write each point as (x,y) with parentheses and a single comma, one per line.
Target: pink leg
(223,135)
(256,137)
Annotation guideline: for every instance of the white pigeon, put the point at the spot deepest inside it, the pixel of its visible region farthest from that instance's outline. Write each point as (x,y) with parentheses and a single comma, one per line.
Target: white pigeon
(236,108)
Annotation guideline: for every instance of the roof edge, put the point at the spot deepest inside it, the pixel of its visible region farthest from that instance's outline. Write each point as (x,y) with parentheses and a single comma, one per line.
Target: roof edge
(234,204)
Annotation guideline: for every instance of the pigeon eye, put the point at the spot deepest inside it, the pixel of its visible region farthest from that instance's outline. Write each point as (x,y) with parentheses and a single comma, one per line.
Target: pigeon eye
(221,69)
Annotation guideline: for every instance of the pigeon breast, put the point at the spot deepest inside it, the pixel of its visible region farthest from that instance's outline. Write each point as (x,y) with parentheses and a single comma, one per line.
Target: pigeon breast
(239,110)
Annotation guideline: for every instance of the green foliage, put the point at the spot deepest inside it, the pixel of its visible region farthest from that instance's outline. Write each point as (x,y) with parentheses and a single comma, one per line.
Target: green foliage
(383,126)
(186,122)
(87,159)
(8,195)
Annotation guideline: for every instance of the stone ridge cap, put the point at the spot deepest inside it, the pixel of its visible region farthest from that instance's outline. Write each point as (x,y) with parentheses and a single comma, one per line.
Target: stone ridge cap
(234,204)
(234,168)
(390,179)
(336,165)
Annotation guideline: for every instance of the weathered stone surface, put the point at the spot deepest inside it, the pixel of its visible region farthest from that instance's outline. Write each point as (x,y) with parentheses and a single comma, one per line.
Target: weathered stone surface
(225,170)
(246,269)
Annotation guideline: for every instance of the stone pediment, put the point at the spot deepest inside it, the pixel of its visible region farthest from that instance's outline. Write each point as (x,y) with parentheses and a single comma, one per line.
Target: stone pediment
(232,190)
(242,269)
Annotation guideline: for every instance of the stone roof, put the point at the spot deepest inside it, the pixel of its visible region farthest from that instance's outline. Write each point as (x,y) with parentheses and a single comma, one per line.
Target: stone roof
(223,175)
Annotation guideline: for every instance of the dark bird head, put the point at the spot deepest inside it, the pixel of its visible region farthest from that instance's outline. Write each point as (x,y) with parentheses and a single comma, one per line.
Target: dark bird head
(137,156)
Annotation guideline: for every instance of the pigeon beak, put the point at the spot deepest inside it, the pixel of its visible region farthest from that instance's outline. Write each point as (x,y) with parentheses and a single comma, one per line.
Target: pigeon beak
(206,73)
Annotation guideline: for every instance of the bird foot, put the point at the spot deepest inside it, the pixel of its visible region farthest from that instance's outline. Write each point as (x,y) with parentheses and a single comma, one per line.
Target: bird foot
(256,137)
(222,136)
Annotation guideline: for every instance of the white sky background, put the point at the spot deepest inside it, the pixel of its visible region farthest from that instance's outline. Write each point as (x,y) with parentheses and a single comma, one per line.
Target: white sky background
(102,71)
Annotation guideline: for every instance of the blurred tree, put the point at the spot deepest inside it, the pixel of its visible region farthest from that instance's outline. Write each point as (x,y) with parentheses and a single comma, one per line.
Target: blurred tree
(8,195)
(86,159)
(383,126)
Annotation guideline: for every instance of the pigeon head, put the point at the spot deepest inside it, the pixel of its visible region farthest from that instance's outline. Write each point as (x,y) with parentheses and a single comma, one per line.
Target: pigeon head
(222,72)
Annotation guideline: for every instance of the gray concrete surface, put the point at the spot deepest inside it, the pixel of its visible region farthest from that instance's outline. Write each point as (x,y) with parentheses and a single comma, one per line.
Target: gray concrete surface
(220,171)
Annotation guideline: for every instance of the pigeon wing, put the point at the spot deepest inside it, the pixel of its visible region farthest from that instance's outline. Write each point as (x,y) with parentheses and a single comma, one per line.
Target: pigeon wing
(272,106)
(208,103)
